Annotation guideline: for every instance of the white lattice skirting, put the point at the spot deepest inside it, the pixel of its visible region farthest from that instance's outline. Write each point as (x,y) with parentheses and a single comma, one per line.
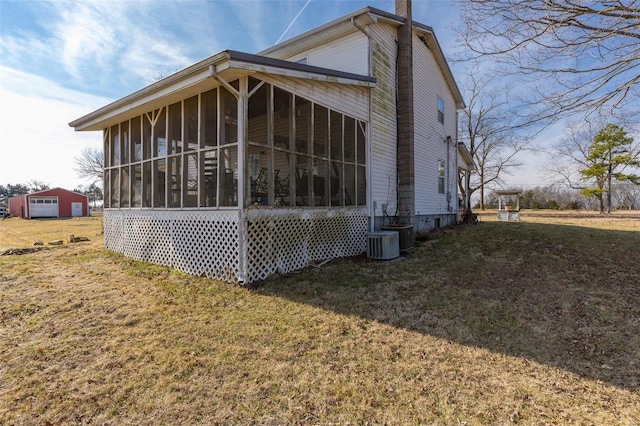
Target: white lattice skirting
(221,246)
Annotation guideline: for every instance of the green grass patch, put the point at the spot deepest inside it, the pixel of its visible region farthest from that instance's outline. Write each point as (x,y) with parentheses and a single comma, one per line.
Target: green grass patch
(527,323)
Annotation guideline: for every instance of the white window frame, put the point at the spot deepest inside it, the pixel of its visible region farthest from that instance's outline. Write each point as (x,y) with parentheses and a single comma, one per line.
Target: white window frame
(441,171)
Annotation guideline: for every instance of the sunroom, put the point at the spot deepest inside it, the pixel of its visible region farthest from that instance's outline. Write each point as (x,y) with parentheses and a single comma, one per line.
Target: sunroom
(237,167)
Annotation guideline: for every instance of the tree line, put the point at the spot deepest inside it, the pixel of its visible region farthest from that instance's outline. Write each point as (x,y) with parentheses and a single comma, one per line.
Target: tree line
(626,196)
(12,190)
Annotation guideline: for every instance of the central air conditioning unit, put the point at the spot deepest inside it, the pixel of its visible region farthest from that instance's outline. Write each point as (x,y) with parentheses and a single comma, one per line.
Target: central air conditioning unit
(383,245)
(405,234)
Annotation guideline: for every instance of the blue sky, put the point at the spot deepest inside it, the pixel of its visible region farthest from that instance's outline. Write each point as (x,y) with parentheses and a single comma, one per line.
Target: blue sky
(60,60)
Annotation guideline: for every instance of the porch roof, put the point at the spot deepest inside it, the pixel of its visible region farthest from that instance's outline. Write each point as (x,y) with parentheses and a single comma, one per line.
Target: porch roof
(228,65)
(465,156)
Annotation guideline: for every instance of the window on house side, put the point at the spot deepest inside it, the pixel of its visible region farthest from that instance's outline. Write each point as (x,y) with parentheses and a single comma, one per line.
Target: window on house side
(440,110)
(440,177)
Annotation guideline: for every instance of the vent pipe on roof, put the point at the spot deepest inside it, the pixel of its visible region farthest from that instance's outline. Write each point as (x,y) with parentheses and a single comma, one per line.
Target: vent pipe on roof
(405,118)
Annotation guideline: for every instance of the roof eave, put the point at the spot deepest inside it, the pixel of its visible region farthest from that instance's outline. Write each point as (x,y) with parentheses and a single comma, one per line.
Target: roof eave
(466,155)
(434,46)
(169,84)
(200,72)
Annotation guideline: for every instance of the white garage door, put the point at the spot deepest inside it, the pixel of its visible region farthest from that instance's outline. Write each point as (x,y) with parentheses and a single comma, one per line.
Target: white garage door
(43,207)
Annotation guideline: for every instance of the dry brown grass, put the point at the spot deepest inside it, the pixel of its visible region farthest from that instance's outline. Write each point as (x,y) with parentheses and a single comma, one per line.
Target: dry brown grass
(528,323)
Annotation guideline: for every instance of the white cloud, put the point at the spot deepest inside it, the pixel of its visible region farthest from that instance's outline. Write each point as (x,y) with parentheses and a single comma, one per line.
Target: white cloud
(85,35)
(35,139)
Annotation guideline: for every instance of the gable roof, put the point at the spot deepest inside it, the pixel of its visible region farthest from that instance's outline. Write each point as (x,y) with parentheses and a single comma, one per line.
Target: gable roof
(228,64)
(349,23)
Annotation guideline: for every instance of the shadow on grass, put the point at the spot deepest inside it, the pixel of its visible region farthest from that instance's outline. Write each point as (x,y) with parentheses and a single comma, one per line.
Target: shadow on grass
(565,296)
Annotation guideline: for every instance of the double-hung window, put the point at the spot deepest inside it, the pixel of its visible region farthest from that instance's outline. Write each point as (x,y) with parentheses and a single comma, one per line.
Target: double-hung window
(440,176)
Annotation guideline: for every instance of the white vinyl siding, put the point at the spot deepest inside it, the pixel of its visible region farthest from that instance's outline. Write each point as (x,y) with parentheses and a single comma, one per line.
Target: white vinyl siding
(348,54)
(350,100)
(431,135)
(383,118)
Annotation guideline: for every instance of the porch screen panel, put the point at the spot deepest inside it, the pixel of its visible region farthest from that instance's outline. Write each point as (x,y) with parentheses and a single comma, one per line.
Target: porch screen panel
(209,119)
(336,166)
(360,143)
(147,152)
(228,182)
(258,171)
(361,185)
(106,142)
(175,128)
(159,182)
(229,107)
(124,186)
(304,181)
(336,136)
(160,134)
(124,140)
(175,181)
(136,138)
(115,145)
(190,181)
(136,187)
(281,118)
(335,172)
(259,153)
(115,188)
(320,131)
(321,182)
(349,185)
(146,184)
(303,125)
(106,193)
(349,140)
(281,178)
(209,178)
(190,124)
(258,117)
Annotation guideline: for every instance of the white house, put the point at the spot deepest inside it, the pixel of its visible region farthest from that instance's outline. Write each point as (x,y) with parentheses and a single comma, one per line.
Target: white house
(243,165)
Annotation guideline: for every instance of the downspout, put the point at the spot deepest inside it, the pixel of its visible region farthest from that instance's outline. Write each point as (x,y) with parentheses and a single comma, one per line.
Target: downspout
(370,203)
(241,96)
(448,142)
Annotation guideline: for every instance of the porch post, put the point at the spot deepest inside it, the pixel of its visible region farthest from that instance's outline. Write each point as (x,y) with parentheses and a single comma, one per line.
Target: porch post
(242,175)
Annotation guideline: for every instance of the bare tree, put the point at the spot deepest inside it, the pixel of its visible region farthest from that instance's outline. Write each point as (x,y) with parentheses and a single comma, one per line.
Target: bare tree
(627,196)
(488,129)
(89,163)
(571,56)
(569,155)
(37,185)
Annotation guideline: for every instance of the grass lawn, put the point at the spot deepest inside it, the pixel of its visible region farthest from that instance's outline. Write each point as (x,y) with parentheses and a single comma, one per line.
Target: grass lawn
(535,322)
